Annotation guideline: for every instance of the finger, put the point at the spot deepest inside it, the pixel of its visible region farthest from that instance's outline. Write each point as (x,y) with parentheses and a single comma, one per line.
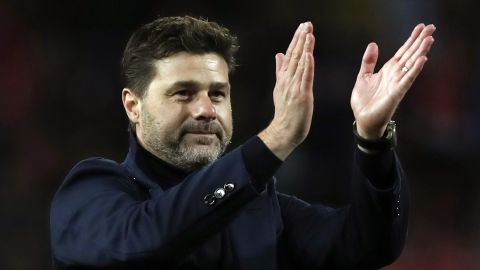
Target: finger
(278,62)
(408,79)
(292,45)
(427,31)
(422,51)
(310,43)
(296,54)
(369,60)
(307,77)
(297,76)
(308,26)
(415,33)
(308,49)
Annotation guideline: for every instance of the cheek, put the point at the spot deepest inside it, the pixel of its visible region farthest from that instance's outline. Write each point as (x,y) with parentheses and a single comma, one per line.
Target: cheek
(224,114)
(170,120)
(166,119)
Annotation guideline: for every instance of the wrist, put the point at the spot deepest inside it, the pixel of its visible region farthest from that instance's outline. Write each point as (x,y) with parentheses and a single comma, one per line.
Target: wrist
(369,135)
(387,141)
(277,143)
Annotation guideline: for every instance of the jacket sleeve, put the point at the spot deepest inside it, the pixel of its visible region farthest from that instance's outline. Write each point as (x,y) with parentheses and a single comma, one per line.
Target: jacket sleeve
(368,233)
(96,220)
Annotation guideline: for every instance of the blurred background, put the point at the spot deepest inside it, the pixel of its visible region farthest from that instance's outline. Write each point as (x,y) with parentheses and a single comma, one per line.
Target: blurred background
(60,103)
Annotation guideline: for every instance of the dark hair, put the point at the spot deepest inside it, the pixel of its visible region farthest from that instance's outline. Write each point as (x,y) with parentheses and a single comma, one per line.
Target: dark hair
(167,36)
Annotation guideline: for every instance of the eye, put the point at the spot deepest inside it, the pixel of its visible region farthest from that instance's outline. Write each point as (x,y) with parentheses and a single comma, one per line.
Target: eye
(217,95)
(183,94)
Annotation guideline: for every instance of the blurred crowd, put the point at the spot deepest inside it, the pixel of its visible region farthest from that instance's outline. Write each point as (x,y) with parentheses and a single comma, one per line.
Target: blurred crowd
(60,102)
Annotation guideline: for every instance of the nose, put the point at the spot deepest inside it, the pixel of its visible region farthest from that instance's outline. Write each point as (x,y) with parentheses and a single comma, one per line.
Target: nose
(203,109)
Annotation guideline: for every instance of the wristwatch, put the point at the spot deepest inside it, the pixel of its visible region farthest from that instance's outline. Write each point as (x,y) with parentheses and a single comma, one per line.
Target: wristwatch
(387,141)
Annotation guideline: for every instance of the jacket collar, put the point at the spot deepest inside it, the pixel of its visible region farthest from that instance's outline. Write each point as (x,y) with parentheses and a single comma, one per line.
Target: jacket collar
(148,169)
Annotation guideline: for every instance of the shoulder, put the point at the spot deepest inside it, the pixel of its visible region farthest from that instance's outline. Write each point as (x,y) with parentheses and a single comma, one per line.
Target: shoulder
(96,167)
(95,164)
(89,186)
(94,175)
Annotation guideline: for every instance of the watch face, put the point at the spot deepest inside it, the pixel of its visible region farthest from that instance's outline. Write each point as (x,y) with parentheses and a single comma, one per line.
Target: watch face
(392,133)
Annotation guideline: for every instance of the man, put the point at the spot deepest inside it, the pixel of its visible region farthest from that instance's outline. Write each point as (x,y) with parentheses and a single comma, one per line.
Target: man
(177,203)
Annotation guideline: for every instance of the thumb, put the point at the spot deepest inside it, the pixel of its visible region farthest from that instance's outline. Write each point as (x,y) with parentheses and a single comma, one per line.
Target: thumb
(278,62)
(369,60)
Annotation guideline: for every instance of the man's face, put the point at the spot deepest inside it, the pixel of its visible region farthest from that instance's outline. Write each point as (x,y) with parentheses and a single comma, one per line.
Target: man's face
(185,116)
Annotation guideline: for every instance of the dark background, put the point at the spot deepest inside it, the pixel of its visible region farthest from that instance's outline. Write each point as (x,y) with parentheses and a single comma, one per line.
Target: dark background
(60,103)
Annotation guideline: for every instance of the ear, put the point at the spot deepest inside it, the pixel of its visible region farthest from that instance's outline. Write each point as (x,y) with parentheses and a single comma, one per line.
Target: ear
(131,104)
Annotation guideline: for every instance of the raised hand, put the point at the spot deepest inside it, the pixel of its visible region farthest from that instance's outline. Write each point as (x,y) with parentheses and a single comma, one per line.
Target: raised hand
(293,94)
(376,96)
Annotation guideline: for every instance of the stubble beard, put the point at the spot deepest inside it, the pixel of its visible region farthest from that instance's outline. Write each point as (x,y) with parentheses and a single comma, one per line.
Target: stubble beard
(173,147)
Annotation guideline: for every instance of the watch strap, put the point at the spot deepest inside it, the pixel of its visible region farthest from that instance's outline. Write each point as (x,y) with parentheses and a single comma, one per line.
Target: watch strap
(387,141)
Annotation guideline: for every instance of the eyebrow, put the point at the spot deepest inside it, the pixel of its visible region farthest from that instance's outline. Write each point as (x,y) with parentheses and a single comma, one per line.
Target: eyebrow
(196,84)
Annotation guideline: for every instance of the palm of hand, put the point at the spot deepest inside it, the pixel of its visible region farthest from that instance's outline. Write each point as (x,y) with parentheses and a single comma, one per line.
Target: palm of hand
(376,96)
(373,97)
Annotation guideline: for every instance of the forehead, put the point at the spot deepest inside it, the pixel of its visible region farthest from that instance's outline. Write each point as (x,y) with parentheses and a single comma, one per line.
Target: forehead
(202,68)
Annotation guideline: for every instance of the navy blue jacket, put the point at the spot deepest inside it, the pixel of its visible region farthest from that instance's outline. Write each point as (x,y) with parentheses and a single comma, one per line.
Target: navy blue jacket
(144,214)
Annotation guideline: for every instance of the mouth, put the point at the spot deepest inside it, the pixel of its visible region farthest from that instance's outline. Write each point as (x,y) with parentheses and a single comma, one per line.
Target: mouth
(201,138)
(204,133)
(201,134)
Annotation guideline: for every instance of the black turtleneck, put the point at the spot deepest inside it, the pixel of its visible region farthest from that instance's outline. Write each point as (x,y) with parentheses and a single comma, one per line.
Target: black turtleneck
(154,167)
